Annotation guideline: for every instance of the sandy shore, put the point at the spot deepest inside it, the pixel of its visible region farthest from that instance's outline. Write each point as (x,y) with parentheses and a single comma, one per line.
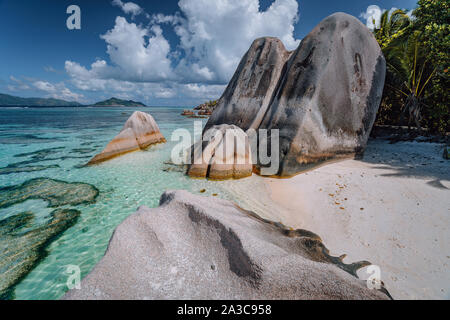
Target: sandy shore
(391,208)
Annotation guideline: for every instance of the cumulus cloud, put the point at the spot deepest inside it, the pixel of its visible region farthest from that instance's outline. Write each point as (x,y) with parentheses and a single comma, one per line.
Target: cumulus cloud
(57,91)
(137,54)
(213,37)
(140,59)
(372,16)
(128,7)
(216,34)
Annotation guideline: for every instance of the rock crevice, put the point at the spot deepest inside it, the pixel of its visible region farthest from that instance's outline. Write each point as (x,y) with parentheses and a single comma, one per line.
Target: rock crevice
(194,247)
(323,97)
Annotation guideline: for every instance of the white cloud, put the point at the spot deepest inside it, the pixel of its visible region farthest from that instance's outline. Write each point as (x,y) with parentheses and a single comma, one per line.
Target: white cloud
(45,86)
(139,58)
(17,84)
(137,54)
(372,15)
(194,90)
(214,35)
(50,69)
(128,7)
(58,91)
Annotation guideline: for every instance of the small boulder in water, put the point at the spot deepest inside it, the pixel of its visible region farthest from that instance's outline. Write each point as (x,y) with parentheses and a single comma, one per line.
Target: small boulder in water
(139,132)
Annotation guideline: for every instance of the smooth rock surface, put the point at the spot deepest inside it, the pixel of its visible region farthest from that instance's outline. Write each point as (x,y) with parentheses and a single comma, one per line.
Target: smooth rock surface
(193,247)
(323,97)
(139,132)
(224,154)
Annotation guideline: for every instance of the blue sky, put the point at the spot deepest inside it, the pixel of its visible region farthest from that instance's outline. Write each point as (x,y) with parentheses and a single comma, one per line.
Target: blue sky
(158,52)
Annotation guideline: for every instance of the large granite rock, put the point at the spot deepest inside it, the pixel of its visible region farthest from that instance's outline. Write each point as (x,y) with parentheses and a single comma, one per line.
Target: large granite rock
(139,132)
(223,154)
(194,247)
(323,97)
(249,93)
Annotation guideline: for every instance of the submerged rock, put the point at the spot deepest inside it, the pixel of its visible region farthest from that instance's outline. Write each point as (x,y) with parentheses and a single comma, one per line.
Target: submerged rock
(224,154)
(22,245)
(57,193)
(323,97)
(193,247)
(19,169)
(40,155)
(139,132)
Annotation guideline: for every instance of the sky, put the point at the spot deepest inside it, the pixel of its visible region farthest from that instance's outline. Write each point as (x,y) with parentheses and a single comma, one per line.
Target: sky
(162,53)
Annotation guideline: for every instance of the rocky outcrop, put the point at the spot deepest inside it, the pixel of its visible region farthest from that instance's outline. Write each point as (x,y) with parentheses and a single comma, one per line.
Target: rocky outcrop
(223,154)
(23,236)
(56,193)
(188,113)
(139,132)
(322,97)
(249,93)
(194,247)
(23,244)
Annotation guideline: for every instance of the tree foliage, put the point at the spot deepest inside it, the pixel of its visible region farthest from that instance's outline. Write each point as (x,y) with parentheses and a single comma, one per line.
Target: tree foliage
(417,54)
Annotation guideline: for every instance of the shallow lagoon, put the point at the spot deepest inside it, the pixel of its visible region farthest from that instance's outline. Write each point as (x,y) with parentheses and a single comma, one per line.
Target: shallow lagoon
(58,141)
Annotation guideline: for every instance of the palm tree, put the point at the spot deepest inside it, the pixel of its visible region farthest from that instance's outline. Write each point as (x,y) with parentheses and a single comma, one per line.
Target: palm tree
(408,62)
(393,25)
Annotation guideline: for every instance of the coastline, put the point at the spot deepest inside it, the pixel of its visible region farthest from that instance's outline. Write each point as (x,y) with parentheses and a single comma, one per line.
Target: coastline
(391,208)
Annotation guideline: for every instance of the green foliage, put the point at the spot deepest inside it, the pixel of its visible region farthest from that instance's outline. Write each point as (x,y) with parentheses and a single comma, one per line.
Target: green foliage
(118,102)
(392,27)
(417,55)
(212,103)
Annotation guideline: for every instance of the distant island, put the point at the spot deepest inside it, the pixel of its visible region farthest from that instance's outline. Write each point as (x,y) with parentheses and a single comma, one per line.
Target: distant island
(7,100)
(114,102)
(12,101)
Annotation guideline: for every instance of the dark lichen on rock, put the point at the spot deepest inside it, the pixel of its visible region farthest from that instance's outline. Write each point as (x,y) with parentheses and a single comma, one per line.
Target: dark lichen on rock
(23,245)
(57,193)
(323,97)
(22,242)
(20,169)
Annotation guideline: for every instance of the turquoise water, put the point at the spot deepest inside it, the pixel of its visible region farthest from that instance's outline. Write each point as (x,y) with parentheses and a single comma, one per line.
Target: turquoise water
(67,139)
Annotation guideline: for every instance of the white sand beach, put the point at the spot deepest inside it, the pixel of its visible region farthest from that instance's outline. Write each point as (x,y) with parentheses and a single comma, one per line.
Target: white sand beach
(391,208)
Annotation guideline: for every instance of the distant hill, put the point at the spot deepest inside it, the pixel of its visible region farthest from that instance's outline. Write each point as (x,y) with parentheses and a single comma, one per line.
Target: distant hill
(114,102)
(7,100)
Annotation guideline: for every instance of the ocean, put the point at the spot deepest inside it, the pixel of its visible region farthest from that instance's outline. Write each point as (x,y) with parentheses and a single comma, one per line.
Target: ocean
(54,144)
